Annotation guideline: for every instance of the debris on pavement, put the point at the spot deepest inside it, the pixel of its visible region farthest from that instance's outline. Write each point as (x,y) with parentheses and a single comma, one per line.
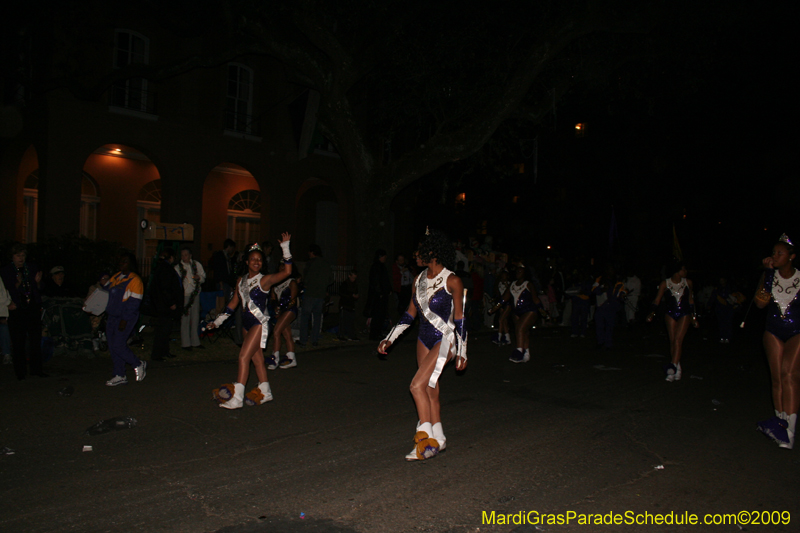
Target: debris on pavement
(104,426)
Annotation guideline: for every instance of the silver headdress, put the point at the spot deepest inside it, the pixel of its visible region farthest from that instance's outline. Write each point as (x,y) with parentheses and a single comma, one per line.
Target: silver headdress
(785,239)
(255,248)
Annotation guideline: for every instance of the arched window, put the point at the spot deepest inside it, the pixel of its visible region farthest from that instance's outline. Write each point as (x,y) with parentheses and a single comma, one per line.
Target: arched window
(239,99)
(130,48)
(90,201)
(244,218)
(30,207)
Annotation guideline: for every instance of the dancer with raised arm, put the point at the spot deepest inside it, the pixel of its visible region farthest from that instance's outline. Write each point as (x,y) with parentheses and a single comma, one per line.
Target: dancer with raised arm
(678,295)
(438,298)
(285,295)
(778,291)
(253,292)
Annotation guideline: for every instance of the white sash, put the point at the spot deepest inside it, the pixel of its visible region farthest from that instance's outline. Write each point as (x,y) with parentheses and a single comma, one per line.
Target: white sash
(447,329)
(517,290)
(278,289)
(244,293)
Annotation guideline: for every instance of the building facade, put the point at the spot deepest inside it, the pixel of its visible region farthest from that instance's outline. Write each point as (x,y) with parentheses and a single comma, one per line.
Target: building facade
(230,148)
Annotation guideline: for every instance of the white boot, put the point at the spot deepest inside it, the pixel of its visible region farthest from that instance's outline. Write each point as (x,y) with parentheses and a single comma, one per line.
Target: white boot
(238,398)
(272,363)
(290,360)
(438,434)
(678,372)
(259,395)
(426,446)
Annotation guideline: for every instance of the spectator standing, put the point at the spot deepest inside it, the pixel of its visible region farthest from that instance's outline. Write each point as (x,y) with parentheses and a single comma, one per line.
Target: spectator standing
(23,282)
(610,294)
(633,285)
(5,337)
(475,316)
(125,291)
(192,277)
(317,277)
(269,267)
(724,303)
(223,265)
(166,296)
(348,295)
(378,295)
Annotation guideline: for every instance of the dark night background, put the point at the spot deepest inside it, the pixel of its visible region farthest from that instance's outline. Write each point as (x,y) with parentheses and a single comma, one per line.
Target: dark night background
(695,131)
(688,113)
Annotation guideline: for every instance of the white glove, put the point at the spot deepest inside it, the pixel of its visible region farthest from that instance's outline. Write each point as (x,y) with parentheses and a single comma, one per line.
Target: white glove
(286,253)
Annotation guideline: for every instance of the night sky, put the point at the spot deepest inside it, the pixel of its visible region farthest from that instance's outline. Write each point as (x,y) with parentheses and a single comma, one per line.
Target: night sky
(698,136)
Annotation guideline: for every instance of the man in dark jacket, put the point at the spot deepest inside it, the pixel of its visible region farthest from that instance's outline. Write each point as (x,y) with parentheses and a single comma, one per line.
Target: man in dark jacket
(23,281)
(166,296)
(223,264)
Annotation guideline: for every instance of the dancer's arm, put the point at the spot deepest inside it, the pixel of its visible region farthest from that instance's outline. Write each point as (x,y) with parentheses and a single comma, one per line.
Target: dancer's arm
(222,317)
(762,297)
(273,279)
(456,288)
(661,289)
(405,321)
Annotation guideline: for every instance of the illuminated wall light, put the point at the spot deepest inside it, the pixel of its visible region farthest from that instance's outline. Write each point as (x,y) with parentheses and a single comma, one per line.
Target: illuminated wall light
(549,247)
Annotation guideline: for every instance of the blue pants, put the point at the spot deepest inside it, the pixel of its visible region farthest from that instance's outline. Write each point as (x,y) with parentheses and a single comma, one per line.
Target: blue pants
(5,339)
(311,306)
(579,318)
(605,318)
(121,353)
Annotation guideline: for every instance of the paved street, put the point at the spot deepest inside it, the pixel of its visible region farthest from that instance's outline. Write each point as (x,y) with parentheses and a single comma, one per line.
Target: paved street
(575,430)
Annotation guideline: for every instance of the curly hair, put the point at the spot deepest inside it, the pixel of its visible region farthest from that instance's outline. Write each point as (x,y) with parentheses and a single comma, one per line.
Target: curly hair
(436,245)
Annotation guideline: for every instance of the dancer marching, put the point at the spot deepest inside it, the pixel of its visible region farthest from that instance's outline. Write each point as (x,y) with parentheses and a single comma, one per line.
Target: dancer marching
(253,292)
(526,307)
(285,313)
(502,336)
(679,298)
(438,298)
(777,291)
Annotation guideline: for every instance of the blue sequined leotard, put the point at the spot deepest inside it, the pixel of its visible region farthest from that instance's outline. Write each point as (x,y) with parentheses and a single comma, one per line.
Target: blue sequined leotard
(252,287)
(284,292)
(676,298)
(440,302)
(522,297)
(783,311)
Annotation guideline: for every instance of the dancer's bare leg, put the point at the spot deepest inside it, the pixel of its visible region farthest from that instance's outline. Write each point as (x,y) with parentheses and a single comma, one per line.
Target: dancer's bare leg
(425,398)
(251,351)
(524,329)
(774,347)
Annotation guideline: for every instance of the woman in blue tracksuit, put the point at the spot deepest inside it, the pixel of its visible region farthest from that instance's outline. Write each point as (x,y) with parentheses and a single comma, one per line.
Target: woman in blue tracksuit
(610,293)
(125,290)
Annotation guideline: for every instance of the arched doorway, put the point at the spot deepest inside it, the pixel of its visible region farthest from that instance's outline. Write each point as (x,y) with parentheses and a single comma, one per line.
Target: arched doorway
(244,218)
(148,207)
(233,207)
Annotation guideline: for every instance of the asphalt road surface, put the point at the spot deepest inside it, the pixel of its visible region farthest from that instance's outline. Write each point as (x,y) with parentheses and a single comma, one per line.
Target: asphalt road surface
(577,433)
